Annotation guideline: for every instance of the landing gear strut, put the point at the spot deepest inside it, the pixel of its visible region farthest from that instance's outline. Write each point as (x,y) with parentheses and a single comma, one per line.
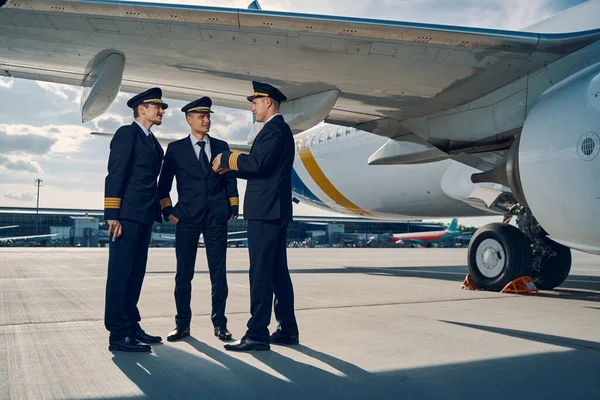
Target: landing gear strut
(499,253)
(551,261)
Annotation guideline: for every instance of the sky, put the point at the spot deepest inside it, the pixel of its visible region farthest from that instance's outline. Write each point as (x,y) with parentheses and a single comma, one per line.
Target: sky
(41,134)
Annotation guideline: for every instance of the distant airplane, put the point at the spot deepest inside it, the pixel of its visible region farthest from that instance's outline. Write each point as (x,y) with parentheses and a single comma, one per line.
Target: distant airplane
(10,240)
(427,238)
(169,237)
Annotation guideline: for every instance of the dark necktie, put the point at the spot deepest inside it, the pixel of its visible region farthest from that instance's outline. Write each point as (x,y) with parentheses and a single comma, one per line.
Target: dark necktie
(151,137)
(203,159)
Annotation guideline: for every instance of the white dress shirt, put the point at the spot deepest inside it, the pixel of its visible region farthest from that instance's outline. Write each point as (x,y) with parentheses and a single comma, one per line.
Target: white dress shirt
(197,147)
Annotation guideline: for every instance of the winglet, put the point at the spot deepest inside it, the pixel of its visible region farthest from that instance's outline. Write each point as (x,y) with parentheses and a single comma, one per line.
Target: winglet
(253,6)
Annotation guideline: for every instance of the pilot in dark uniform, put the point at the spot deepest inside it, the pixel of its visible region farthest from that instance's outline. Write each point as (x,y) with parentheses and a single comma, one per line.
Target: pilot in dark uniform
(268,209)
(207,201)
(131,207)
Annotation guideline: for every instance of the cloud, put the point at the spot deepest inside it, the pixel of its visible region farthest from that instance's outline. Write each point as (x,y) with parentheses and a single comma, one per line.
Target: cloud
(231,125)
(65,138)
(23,196)
(19,164)
(110,122)
(25,143)
(6,83)
(66,92)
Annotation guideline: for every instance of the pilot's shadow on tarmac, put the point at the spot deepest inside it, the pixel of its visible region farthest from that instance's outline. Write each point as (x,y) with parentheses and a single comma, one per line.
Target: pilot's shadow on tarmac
(208,373)
(205,372)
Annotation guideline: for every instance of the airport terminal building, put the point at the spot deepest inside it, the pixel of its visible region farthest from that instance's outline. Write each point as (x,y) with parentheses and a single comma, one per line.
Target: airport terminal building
(87,228)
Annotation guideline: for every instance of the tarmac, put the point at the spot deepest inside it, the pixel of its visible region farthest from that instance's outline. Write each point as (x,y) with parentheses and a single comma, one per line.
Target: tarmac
(374,324)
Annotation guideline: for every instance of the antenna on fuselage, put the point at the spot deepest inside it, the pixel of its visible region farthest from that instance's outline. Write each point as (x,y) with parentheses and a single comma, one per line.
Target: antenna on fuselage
(254,6)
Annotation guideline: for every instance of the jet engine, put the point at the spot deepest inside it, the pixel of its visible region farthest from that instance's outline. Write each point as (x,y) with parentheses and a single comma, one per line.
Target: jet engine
(553,170)
(558,163)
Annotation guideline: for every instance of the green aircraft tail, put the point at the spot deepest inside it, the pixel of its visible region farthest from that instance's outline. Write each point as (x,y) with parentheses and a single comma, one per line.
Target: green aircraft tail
(453,225)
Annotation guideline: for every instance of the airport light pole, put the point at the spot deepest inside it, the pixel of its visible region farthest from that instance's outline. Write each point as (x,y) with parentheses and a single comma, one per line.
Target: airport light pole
(38,182)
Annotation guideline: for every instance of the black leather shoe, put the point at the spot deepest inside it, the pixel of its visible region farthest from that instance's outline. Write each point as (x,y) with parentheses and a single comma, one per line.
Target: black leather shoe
(222,333)
(246,344)
(128,344)
(179,333)
(145,338)
(279,337)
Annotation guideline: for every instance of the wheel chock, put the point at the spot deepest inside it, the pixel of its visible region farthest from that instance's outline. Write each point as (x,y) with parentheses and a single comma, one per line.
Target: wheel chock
(469,283)
(523,284)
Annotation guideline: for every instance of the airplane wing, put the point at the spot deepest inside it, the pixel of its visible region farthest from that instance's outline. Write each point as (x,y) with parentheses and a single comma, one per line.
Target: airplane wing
(395,79)
(167,236)
(238,240)
(164,141)
(5,239)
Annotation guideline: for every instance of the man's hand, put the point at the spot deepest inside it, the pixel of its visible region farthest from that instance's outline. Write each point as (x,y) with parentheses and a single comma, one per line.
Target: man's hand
(173,219)
(115,228)
(216,165)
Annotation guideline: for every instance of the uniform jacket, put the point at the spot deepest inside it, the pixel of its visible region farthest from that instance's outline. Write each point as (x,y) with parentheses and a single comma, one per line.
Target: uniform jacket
(197,191)
(268,170)
(133,167)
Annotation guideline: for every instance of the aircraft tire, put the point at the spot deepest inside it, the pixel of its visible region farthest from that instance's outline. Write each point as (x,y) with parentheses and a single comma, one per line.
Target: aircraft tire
(555,269)
(497,254)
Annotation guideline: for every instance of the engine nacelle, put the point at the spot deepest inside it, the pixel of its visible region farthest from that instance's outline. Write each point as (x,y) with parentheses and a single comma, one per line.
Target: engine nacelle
(559,162)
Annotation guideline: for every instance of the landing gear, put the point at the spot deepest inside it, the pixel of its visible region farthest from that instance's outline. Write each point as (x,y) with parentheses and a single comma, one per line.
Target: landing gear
(551,261)
(499,253)
(554,267)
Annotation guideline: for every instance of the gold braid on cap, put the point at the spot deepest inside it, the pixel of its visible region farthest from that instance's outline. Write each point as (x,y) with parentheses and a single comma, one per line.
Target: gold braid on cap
(201,109)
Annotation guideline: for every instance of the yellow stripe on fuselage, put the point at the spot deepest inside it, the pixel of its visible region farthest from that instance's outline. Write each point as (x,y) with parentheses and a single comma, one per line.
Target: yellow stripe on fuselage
(317,174)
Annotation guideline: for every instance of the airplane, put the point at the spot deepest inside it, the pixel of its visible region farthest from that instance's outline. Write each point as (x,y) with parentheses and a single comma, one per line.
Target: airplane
(235,241)
(427,238)
(402,119)
(10,240)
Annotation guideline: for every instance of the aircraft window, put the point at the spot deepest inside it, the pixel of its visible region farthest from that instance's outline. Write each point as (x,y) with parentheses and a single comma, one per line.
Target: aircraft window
(330,135)
(348,131)
(313,140)
(306,142)
(322,138)
(340,132)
